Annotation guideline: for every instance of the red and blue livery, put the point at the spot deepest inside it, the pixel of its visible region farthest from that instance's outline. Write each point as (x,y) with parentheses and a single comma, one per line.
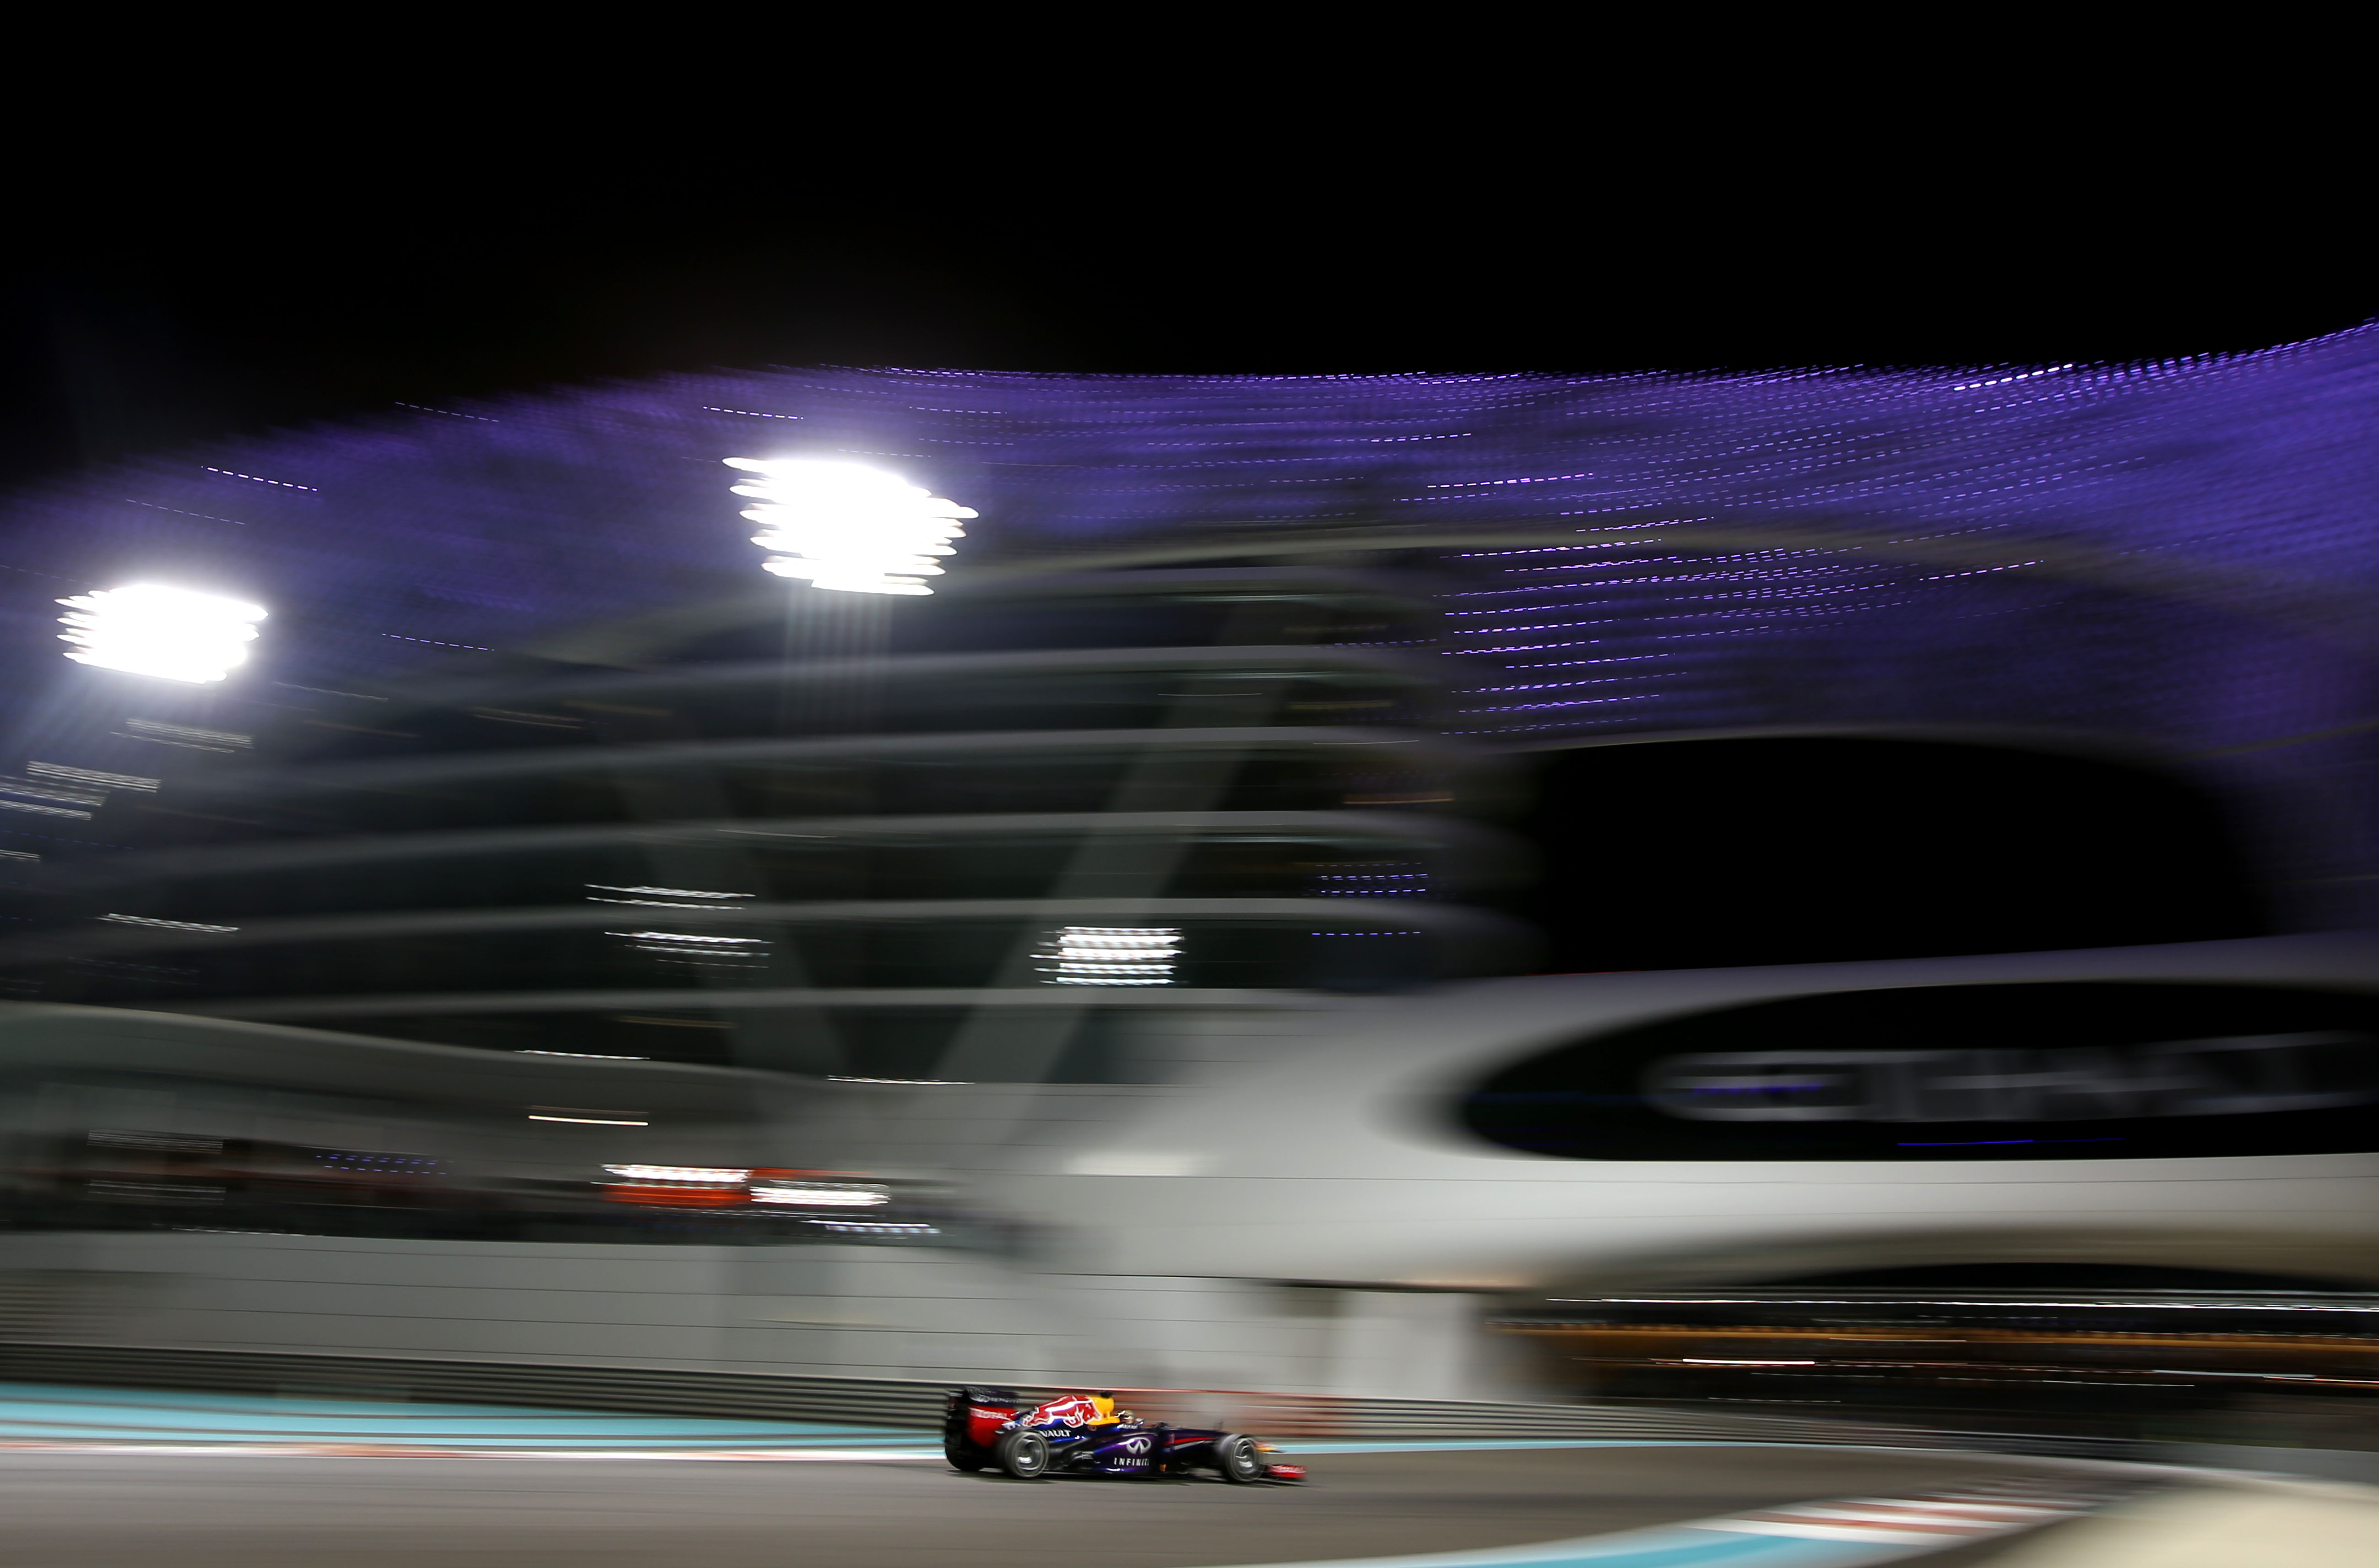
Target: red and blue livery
(1084,1434)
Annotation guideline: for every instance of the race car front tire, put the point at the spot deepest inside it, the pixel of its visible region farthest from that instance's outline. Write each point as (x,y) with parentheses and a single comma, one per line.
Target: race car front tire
(1235,1456)
(1025,1455)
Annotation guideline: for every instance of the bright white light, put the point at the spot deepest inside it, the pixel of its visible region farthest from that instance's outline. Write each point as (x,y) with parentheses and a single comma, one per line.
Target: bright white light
(710,1176)
(583,1056)
(675,900)
(174,633)
(846,527)
(92,777)
(184,735)
(688,947)
(45,811)
(1110,955)
(811,1196)
(165,925)
(48,789)
(1715,1361)
(691,939)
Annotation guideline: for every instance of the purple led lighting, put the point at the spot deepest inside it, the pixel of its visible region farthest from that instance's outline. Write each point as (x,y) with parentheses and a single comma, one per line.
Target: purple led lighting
(2175,551)
(280,484)
(178,512)
(424,408)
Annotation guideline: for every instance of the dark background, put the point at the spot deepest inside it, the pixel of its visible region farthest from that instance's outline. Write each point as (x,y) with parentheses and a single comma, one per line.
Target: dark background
(215,266)
(1862,847)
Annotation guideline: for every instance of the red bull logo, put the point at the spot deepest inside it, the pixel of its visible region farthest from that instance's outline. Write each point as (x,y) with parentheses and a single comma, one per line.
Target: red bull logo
(1071,1411)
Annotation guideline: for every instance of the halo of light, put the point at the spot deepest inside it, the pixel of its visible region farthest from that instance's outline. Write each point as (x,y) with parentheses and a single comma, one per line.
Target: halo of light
(847,526)
(148,629)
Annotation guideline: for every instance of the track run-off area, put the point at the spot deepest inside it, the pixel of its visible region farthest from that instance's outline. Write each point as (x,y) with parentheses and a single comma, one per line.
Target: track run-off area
(92,1476)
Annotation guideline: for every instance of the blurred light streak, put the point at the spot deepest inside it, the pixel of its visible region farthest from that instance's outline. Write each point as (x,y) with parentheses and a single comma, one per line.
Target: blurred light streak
(717,1174)
(148,629)
(817,1196)
(846,527)
(1110,955)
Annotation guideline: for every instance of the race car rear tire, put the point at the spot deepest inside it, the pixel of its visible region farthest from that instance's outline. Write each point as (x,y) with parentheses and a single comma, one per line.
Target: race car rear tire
(1025,1455)
(965,1459)
(1235,1456)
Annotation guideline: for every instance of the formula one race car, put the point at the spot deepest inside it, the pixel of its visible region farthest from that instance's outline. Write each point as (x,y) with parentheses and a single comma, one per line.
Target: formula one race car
(995,1429)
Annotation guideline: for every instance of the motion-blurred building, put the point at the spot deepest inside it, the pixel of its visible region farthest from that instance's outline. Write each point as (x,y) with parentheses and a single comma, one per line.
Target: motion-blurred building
(1335,862)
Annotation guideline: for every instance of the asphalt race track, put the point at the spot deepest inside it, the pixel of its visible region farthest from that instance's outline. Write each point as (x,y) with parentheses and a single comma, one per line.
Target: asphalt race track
(65,1508)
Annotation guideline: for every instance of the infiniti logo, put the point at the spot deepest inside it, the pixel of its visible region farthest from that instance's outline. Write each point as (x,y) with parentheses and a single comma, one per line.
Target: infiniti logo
(2238,1075)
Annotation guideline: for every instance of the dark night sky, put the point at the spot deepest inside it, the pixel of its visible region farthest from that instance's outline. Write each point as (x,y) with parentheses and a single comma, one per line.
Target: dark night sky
(248,284)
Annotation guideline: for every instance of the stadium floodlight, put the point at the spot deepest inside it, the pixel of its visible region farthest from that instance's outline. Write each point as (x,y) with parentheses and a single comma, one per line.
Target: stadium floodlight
(173,633)
(847,526)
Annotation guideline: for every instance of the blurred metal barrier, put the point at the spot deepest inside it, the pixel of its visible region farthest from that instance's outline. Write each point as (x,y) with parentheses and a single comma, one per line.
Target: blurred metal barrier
(873,1401)
(658,1390)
